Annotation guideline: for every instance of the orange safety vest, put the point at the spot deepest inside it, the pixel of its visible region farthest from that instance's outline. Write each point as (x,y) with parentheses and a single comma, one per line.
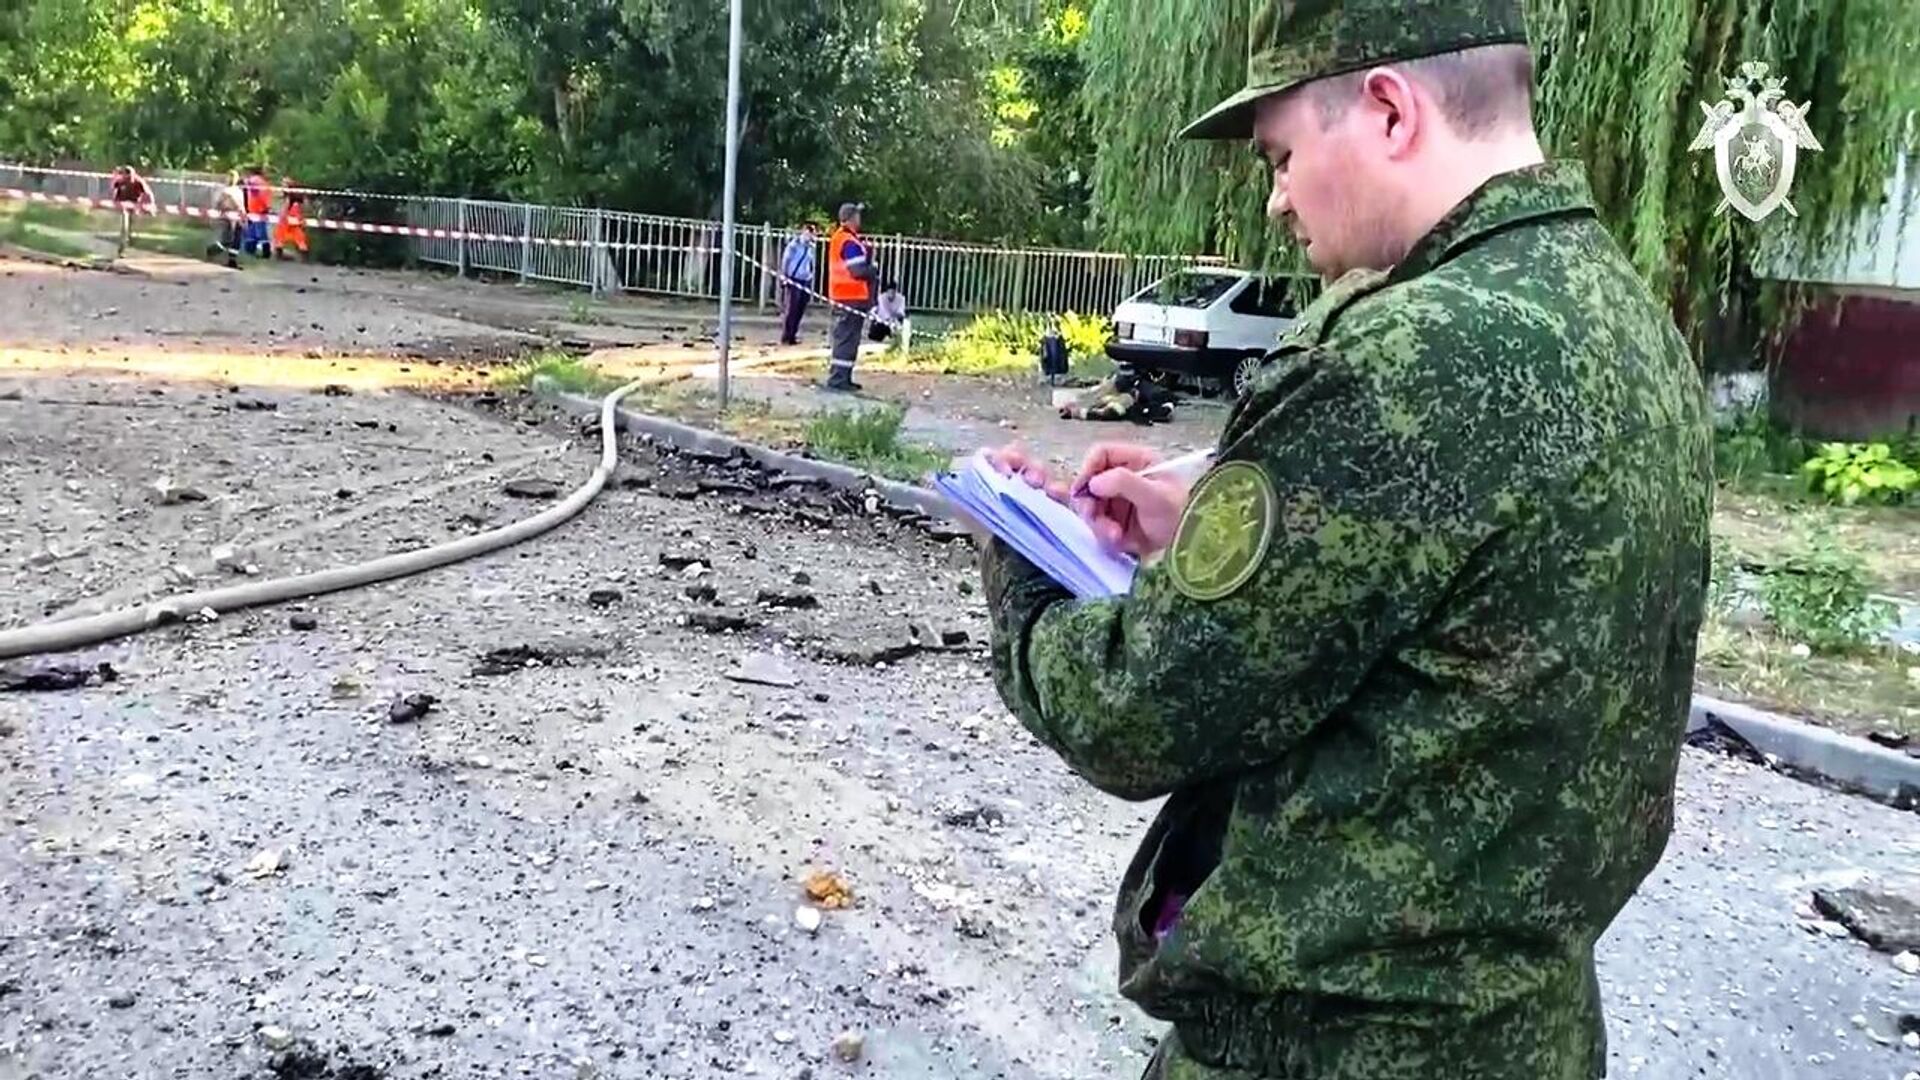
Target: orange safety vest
(841,284)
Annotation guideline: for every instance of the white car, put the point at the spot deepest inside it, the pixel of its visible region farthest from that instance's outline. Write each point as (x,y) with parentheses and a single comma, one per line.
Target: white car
(1204,324)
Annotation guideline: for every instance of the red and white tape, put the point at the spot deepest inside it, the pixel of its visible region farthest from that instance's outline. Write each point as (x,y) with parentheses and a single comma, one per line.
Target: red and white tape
(338,224)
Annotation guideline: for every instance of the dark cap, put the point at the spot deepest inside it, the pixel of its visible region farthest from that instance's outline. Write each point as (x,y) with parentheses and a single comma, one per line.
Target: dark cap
(1298,41)
(848,210)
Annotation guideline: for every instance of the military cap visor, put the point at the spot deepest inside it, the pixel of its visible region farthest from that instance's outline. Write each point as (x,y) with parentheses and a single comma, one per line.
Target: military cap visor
(1293,42)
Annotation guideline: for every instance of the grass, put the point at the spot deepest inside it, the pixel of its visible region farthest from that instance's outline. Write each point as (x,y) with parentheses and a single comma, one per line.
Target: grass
(569,373)
(1857,693)
(999,345)
(1763,527)
(869,438)
(59,217)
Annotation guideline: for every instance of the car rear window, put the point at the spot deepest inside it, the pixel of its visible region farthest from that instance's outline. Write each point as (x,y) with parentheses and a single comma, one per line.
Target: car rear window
(1188,290)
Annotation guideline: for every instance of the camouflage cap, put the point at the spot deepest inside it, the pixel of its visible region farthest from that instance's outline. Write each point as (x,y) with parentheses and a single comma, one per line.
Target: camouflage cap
(1298,41)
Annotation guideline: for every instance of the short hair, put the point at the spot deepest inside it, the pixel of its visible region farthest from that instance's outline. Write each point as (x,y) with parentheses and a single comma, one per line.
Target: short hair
(1481,90)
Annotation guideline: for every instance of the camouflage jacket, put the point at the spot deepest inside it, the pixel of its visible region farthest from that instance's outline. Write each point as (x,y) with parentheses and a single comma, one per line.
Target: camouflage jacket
(1415,669)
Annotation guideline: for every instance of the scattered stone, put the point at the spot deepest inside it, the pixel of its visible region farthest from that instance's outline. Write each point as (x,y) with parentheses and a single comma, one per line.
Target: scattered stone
(1911,1040)
(256,405)
(704,903)
(869,655)
(512,658)
(303,621)
(820,696)
(603,597)
(954,639)
(978,817)
(812,517)
(122,1000)
(783,1036)
(367,425)
(966,587)
(763,669)
(335,390)
(1908,963)
(1892,740)
(801,577)
(788,600)
(874,588)
(848,1046)
(702,593)
(971,925)
(532,487)
(346,686)
(441,1030)
(268,863)
(679,560)
(807,918)
(694,570)
(55,677)
(169,493)
(411,708)
(716,486)
(361,992)
(1884,914)
(275,1037)
(719,622)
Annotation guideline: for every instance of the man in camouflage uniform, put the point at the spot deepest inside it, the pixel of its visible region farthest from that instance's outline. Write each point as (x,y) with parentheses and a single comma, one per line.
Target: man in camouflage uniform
(1411,662)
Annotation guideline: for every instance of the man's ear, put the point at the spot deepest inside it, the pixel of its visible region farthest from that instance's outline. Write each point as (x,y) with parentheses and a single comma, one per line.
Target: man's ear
(1392,109)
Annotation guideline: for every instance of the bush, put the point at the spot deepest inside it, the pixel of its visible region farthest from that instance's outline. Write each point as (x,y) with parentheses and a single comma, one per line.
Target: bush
(869,438)
(569,373)
(1849,473)
(1000,342)
(1820,595)
(1751,445)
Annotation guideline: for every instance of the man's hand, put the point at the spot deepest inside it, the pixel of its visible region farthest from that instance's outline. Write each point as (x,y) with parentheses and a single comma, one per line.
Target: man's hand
(1128,512)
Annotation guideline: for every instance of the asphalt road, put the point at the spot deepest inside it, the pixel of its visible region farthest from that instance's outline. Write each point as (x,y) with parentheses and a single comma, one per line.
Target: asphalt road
(590,866)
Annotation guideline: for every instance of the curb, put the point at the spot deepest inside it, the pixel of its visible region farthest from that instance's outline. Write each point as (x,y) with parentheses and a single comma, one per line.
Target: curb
(701,440)
(1855,764)
(1791,745)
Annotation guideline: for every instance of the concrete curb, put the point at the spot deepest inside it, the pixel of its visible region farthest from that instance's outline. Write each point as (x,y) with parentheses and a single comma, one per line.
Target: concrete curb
(1855,764)
(1797,746)
(701,440)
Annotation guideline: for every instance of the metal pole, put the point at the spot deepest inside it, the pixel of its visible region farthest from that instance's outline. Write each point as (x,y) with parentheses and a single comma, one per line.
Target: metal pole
(733,167)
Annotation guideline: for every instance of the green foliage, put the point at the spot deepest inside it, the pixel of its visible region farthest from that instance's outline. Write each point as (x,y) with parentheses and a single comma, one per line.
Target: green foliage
(598,102)
(1008,343)
(869,438)
(1819,595)
(1620,88)
(1849,473)
(569,373)
(1751,445)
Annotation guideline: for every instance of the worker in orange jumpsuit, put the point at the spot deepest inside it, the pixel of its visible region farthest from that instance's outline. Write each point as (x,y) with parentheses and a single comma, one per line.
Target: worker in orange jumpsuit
(291,232)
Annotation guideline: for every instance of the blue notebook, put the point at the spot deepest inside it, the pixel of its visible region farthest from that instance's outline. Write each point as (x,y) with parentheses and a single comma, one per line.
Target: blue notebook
(1050,536)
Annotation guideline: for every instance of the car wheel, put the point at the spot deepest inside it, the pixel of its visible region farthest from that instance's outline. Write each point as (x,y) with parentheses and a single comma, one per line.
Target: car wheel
(1244,373)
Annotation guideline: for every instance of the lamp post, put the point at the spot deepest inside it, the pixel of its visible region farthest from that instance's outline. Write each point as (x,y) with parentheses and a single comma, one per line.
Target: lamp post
(733,168)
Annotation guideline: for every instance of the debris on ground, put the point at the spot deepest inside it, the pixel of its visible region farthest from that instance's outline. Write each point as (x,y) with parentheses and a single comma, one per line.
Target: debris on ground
(719,622)
(807,918)
(828,889)
(268,863)
(411,708)
(763,669)
(603,598)
(169,492)
(849,1045)
(1884,914)
(56,677)
(303,622)
(798,601)
(528,487)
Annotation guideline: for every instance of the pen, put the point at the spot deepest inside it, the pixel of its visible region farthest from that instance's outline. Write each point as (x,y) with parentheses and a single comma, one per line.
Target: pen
(1172,464)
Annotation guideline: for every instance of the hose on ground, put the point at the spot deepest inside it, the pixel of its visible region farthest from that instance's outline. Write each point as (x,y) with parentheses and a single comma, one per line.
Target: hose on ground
(67,634)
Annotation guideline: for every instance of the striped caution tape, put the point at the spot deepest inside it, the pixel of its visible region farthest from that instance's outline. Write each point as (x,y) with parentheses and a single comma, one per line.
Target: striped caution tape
(337,224)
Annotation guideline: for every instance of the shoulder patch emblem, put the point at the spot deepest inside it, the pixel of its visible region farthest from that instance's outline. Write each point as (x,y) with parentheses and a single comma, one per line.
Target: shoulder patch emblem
(1224,532)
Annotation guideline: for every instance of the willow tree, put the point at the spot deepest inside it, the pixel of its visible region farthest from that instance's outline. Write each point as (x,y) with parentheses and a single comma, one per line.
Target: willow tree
(1620,86)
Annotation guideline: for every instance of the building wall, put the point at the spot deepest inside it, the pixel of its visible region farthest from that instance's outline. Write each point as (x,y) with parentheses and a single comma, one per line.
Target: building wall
(1851,368)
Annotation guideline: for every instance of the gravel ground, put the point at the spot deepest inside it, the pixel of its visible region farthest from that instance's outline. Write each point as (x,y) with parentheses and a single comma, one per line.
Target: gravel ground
(586,858)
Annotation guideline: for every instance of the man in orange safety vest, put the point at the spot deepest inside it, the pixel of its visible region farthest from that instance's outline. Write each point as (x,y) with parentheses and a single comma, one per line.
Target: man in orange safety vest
(851,275)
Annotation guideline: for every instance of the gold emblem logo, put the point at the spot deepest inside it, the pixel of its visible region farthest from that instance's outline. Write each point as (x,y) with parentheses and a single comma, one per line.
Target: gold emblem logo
(1224,531)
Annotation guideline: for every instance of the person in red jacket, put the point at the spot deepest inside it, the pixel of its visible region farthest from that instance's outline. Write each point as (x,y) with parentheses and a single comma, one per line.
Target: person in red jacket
(131,195)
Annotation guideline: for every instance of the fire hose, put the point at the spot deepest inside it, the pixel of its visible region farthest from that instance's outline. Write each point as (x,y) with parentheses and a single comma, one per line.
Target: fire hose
(75,633)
